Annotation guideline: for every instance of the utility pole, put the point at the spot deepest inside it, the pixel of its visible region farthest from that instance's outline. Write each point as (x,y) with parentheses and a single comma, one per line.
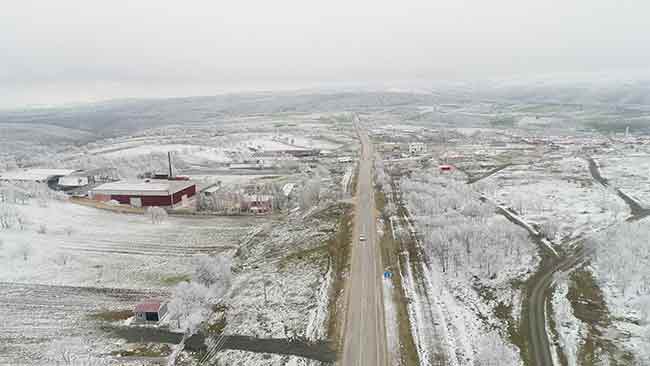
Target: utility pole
(266,300)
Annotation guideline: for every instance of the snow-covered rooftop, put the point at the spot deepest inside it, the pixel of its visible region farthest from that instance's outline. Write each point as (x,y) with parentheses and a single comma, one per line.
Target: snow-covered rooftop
(34,174)
(151,186)
(287,188)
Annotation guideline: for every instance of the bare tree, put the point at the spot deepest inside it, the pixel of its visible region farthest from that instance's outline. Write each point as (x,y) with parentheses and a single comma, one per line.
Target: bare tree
(310,193)
(68,230)
(8,216)
(157,214)
(24,250)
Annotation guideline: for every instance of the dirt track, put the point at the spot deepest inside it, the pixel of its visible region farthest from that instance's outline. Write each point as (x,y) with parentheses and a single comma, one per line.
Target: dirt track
(538,287)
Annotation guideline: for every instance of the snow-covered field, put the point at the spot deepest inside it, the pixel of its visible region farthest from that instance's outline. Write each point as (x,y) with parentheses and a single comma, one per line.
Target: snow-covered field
(558,195)
(184,151)
(64,262)
(630,172)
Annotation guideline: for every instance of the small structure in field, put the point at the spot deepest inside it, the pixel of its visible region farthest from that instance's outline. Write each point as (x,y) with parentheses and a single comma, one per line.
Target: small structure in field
(74,180)
(211,190)
(445,168)
(83,178)
(288,188)
(163,193)
(416,148)
(150,311)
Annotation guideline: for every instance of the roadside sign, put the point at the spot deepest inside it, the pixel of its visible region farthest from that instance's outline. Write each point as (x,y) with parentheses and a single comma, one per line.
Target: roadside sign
(388,274)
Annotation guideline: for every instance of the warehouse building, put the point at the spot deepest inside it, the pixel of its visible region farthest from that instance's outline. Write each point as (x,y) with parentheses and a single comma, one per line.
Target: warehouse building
(147,193)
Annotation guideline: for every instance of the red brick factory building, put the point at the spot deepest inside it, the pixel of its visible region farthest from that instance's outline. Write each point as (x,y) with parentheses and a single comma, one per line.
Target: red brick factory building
(143,194)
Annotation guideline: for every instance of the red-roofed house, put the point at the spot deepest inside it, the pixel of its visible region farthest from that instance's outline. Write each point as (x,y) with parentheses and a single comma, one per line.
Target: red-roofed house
(150,310)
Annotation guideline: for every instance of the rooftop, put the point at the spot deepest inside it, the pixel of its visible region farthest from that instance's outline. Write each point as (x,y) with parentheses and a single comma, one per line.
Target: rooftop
(145,186)
(34,174)
(212,189)
(149,306)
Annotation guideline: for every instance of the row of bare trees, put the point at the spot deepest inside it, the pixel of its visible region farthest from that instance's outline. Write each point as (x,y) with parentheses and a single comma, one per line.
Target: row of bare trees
(463,233)
(623,258)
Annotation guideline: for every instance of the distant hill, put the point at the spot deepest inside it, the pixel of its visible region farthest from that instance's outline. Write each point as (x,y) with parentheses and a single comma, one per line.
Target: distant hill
(124,116)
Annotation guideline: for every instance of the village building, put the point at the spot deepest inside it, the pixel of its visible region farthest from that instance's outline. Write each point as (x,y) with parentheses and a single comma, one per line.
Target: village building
(150,311)
(288,188)
(416,148)
(257,203)
(74,180)
(211,190)
(147,193)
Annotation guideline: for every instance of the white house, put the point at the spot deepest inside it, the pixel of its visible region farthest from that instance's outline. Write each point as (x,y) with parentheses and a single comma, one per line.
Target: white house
(416,148)
(73,181)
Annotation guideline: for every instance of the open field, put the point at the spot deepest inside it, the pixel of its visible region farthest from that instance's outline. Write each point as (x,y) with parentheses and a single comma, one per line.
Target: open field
(628,171)
(559,196)
(70,261)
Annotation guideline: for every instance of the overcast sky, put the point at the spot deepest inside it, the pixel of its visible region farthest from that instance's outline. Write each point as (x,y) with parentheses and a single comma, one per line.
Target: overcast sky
(77,50)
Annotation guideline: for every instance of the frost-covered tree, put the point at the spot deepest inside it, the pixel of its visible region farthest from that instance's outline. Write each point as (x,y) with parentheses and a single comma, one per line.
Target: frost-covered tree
(212,271)
(24,250)
(623,258)
(8,216)
(157,214)
(310,195)
(191,301)
(69,230)
(461,232)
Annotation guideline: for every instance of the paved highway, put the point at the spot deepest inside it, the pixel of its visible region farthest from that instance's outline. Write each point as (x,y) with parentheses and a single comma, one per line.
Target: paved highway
(365,332)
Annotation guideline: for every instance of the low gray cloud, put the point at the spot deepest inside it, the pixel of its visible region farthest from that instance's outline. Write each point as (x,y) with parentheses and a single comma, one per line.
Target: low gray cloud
(94,50)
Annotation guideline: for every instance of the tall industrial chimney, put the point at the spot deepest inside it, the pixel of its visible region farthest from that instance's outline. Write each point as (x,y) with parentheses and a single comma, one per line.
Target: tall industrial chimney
(169,157)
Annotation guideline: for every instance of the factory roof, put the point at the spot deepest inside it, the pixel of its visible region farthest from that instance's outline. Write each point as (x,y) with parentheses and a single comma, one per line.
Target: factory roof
(143,187)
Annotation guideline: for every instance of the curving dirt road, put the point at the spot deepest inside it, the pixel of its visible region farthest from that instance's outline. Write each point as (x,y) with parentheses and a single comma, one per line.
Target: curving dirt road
(534,315)
(534,310)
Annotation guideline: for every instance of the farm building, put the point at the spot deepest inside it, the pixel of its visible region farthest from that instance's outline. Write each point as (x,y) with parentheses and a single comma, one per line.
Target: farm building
(147,193)
(150,311)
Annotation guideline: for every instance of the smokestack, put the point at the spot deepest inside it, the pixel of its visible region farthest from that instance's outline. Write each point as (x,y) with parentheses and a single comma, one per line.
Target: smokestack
(169,157)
